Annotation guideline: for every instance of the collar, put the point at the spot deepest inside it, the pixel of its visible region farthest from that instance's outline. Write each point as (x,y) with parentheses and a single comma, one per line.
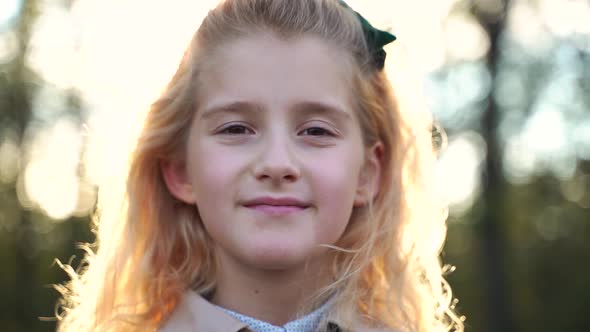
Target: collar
(194,313)
(307,323)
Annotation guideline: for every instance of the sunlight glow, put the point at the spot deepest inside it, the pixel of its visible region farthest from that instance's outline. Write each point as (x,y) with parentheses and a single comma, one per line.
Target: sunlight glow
(51,51)
(458,171)
(565,18)
(541,145)
(418,25)
(120,68)
(526,26)
(121,53)
(8,10)
(466,40)
(545,131)
(50,178)
(125,69)
(134,61)
(520,162)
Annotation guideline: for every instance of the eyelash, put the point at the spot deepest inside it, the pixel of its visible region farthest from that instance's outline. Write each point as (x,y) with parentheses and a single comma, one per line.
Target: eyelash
(225,131)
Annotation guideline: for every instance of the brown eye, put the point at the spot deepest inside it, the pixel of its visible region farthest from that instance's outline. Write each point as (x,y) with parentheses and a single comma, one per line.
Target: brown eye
(317,131)
(236,130)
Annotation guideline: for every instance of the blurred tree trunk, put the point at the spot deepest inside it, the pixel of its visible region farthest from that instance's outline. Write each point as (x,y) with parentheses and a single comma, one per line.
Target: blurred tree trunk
(17,114)
(491,14)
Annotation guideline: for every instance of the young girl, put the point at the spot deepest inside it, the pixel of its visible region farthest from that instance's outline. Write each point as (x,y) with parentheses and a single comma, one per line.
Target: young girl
(276,186)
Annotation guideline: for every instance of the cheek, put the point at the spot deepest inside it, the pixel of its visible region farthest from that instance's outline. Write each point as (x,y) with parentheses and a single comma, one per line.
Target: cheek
(334,181)
(338,170)
(212,172)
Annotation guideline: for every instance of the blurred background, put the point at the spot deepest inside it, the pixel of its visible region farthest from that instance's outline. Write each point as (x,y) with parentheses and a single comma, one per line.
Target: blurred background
(509,80)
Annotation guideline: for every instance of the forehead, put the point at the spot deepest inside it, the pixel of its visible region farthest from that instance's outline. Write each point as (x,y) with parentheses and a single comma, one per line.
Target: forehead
(268,70)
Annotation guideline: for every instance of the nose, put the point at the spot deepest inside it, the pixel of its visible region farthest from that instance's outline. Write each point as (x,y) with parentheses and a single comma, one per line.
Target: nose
(277,162)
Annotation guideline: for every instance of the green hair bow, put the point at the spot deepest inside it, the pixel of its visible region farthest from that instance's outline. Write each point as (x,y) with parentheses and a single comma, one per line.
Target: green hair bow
(375,38)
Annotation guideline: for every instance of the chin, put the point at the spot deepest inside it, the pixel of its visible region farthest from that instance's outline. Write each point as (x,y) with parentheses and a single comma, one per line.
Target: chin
(278,257)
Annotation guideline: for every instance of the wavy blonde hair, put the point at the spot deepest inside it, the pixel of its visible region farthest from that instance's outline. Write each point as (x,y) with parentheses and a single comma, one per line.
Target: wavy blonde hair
(386,266)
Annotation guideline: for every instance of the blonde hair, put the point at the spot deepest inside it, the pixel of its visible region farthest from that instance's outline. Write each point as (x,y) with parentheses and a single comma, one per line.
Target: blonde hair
(386,266)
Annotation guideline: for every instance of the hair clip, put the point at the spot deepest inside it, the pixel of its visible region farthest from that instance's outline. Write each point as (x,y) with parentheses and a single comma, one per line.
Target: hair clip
(375,38)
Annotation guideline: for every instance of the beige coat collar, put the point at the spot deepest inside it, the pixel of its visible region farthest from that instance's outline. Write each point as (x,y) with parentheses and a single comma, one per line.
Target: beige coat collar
(194,313)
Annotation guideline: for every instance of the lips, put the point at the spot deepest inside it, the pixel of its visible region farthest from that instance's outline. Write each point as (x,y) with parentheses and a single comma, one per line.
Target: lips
(277,201)
(276,205)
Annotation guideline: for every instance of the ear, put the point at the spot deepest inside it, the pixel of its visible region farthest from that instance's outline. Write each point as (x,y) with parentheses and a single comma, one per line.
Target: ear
(367,188)
(177,180)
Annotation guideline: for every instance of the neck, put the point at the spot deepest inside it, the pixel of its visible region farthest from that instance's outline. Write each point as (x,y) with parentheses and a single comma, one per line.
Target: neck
(273,296)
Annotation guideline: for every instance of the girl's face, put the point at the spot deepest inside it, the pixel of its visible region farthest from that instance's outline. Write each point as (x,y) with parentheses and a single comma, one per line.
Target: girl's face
(275,160)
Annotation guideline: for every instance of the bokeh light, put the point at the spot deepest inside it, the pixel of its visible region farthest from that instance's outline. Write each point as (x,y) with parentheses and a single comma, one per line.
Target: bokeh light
(51,178)
(9,156)
(119,69)
(52,51)
(9,10)
(459,171)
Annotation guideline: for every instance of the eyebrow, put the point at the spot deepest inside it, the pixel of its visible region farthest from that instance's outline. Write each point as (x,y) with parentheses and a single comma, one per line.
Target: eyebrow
(301,109)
